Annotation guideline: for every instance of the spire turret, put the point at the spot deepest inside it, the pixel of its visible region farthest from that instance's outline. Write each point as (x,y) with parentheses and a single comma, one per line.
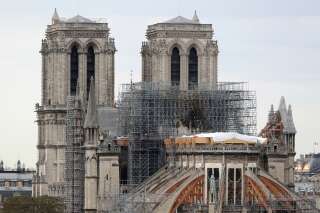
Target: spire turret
(283,113)
(291,125)
(271,113)
(282,106)
(55,17)
(91,120)
(195,17)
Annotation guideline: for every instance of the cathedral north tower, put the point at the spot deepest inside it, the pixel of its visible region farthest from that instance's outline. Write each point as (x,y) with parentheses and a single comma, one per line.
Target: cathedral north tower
(74,50)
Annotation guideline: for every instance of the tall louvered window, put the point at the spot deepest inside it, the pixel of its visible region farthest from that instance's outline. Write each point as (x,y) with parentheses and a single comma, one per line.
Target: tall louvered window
(74,70)
(90,67)
(175,66)
(193,68)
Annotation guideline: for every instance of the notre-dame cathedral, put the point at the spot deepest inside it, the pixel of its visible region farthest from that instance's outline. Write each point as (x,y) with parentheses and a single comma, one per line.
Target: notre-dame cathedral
(78,54)
(78,158)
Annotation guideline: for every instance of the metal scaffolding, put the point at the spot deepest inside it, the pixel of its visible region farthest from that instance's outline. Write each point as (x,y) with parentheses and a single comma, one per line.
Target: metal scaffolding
(74,157)
(150,112)
(297,205)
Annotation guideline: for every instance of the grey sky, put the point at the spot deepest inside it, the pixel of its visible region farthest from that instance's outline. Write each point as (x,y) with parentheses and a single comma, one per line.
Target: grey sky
(272,44)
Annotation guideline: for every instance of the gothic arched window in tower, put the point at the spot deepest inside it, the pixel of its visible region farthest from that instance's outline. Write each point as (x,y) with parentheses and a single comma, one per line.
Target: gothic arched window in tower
(193,68)
(90,67)
(74,70)
(175,66)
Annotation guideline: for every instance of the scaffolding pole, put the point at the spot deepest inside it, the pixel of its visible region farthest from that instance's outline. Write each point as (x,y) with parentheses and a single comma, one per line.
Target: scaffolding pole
(74,157)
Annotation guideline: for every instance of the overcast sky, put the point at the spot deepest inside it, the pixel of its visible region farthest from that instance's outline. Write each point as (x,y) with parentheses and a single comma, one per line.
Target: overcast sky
(272,44)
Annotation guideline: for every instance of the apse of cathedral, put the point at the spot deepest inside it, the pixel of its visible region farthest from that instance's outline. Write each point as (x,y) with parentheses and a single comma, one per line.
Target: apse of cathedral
(178,141)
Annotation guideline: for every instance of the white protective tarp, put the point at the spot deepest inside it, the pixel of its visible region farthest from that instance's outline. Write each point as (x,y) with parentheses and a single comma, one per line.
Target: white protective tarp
(224,136)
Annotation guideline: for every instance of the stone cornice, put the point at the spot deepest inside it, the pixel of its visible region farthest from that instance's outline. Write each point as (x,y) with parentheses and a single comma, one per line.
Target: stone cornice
(79,33)
(292,154)
(64,26)
(180,27)
(89,147)
(91,177)
(277,155)
(51,146)
(179,34)
(54,50)
(51,108)
(51,121)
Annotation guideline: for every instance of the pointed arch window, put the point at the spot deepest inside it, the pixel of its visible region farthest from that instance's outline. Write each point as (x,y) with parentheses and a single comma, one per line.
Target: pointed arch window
(90,67)
(175,66)
(74,70)
(193,68)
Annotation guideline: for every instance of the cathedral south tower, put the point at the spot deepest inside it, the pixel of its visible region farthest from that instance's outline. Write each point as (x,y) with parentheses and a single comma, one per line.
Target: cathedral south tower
(181,51)
(74,51)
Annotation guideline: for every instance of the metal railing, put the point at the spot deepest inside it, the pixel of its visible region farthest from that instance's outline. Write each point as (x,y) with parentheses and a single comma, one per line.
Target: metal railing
(215,148)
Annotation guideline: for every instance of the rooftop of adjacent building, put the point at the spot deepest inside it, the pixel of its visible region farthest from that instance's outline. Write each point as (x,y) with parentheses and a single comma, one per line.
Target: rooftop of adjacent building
(309,164)
(15,179)
(18,173)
